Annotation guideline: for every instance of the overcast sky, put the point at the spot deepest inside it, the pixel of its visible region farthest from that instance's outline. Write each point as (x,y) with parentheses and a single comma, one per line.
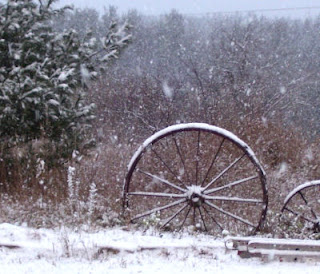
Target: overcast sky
(155,7)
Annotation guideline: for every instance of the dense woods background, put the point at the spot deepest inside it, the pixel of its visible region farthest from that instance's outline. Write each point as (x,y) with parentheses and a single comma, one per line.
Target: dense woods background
(256,76)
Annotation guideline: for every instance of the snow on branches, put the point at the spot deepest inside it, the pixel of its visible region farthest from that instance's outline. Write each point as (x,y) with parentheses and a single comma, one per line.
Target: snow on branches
(44,74)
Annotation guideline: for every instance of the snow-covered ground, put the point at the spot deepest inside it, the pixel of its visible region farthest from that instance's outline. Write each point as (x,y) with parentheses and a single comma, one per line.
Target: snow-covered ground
(67,251)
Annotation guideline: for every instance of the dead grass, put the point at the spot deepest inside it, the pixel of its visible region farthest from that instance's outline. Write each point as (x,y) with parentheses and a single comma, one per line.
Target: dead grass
(39,196)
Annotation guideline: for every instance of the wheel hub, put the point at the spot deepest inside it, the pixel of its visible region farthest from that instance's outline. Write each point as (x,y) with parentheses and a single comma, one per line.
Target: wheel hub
(195,196)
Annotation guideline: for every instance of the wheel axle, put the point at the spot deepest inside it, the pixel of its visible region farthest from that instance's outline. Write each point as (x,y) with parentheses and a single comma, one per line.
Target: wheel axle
(195,196)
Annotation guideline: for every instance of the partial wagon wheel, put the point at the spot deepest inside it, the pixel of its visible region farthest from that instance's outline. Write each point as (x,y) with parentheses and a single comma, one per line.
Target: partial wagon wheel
(303,204)
(198,176)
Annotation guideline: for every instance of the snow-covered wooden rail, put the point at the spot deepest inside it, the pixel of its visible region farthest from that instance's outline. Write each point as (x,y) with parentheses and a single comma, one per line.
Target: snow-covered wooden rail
(275,249)
(116,248)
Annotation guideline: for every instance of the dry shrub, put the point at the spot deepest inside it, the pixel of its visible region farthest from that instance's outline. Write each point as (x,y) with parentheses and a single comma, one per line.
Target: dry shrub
(123,122)
(106,166)
(46,196)
(288,158)
(29,168)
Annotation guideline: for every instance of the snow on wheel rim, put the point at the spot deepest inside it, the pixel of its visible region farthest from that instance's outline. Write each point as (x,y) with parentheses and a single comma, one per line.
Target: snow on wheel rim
(174,128)
(200,199)
(298,189)
(303,204)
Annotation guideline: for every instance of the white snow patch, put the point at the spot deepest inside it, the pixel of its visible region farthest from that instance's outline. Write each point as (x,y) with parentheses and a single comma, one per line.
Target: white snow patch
(66,251)
(85,74)
(309,154)
(194,189)
(283,168)
(65,74)
(283,90)
(264,121)
(181,172)
(168,91)
(53,102)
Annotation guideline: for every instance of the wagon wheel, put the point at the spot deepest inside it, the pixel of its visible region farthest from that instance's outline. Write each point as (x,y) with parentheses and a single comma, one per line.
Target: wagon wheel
(302,206)
(196,176)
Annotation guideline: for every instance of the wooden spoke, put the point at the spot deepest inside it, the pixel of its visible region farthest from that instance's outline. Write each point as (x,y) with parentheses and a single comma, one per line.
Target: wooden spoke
(212,162)
(202,218)
(162,180)
(166,165)
(181,158)
(230,214)
(307,204)
(231,184)
(224,171)
(233,199)
(212,218)
(185,218)
(174,215)
(300,215)
(157,209)
(157,194)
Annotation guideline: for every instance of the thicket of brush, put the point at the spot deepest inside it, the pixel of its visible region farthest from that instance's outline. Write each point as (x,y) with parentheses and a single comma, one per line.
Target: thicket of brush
(256,77)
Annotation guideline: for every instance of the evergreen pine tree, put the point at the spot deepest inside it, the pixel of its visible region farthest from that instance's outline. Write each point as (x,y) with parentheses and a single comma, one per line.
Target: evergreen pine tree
(44,74)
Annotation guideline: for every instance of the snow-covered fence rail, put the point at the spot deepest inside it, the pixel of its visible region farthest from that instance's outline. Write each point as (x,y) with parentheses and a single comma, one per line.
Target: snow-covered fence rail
(275,249)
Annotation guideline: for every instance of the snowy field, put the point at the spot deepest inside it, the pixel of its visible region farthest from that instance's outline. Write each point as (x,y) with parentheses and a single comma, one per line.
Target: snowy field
(66,251)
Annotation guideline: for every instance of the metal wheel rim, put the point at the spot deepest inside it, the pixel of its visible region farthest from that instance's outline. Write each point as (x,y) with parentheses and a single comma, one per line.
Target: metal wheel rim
(194,198)
(302,204)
